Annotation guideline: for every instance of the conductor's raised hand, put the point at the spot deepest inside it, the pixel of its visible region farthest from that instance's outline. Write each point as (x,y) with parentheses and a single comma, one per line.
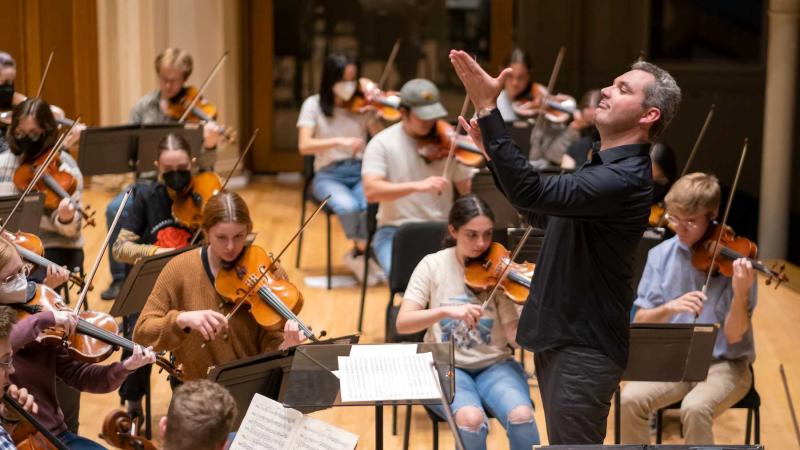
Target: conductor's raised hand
(482,88)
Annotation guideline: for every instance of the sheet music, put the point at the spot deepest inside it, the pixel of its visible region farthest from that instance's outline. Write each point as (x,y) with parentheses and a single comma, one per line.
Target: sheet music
(317,435)
(387,377)
(267,425)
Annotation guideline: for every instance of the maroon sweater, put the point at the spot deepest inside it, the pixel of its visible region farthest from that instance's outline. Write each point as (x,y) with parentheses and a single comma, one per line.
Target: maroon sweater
(36,367)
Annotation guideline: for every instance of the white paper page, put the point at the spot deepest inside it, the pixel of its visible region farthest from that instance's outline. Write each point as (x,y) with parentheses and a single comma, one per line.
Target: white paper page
(383,349)
(266,426)
(315,434)
(387,377)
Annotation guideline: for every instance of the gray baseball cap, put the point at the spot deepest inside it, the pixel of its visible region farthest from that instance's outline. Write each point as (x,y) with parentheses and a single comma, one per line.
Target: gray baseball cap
(422,97)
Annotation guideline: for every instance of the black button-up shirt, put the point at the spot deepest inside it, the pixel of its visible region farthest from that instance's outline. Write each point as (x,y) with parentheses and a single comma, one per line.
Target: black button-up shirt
(593,220)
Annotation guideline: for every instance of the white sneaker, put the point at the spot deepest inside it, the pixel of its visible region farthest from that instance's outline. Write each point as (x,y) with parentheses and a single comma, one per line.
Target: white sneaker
(376,275)
(356,264)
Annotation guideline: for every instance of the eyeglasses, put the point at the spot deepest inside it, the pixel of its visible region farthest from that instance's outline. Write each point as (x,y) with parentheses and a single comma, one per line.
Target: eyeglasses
(675,221)
(25,270)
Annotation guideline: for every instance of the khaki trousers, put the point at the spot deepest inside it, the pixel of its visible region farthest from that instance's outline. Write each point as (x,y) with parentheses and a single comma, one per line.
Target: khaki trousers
(726,384)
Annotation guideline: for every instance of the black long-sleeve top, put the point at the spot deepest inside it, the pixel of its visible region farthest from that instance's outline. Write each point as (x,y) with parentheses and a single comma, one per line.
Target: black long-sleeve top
(593,220)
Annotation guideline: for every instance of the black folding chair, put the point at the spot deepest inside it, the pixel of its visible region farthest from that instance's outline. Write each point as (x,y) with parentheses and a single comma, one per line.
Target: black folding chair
(306,196)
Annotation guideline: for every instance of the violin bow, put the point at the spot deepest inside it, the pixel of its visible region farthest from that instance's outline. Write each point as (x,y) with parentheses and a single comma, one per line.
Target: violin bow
(37,175)
(689,160)
(452,151)
(203,87)
(389,63)
(451,420)
(725,217)
(57,443)
(230,175)
(44,74)
(88,279)
(551,84)
(511,259)
(791,405)
(249,292)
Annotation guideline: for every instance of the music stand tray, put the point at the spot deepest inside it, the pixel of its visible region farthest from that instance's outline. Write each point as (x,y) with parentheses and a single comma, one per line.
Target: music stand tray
(127,148)
(28,216)
(263,374)
(140,281)
(668,352)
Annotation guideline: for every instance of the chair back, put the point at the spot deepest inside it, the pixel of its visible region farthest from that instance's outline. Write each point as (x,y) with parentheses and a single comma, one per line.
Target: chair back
(530,250)
(412,242)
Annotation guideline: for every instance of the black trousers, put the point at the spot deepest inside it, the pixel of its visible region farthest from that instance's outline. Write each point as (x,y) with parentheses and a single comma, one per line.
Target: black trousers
(576,384)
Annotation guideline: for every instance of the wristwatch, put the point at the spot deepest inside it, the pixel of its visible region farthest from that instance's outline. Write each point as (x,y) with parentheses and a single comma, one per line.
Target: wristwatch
(483,112)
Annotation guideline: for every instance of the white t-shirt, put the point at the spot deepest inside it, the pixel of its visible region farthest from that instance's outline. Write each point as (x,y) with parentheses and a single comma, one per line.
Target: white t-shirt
(392,154)
(343,123)
(438,281)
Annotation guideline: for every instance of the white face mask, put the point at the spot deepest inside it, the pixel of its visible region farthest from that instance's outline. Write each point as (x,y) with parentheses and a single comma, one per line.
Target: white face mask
(14,291)
(344,89)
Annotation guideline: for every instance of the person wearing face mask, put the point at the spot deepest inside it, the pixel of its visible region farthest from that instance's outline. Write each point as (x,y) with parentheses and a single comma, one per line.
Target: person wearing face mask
(150,228)
(38,367)
(336,137)
(9,97)
(408,187)
(184,314)
(31,134)
(173,68)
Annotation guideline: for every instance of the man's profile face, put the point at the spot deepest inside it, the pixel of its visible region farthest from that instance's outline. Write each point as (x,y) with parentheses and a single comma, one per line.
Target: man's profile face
(620,105)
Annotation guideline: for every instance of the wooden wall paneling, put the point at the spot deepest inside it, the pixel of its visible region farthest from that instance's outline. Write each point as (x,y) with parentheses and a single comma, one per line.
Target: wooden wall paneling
(501,33)
(12,36)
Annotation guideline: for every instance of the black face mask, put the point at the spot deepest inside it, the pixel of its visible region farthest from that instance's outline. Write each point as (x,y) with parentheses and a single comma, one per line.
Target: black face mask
(178,180)
(29,147)
(660,190)
(6,95)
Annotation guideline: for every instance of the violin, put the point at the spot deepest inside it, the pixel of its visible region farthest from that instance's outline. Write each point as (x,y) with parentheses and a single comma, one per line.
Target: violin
(28,433)
(31,249)
(55,184)
(481,274)
(122,432)
(369,94)
(558,108)
(273,300)
(96,334)
(183,107)
(188,209)
(437,146)
(731,248)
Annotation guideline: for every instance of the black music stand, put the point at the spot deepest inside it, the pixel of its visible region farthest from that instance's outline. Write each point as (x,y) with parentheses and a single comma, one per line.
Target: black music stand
(311,385)
(140,281)
(264,374)
(667,352)
(28,216)
(128,148)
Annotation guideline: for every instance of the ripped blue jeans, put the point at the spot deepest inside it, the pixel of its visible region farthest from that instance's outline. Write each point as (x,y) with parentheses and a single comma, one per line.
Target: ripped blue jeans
(499,388)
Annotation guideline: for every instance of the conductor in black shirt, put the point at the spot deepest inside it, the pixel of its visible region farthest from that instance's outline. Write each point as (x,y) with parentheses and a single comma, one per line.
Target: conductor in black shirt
(576,319)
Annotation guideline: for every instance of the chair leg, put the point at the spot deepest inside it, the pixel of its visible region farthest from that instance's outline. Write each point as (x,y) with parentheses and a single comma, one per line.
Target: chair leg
(757,434)
(435,427)
(300,238)
(364,285)
(394,420)
(407,428)
(659,416)
(747,427)
(330,270)
(617,416)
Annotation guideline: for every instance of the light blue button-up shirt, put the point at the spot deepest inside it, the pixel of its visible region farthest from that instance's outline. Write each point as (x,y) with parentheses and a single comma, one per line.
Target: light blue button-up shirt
(669,274)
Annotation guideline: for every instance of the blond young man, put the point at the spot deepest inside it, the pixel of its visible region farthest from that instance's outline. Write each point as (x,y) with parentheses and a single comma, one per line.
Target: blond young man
(200,417)
(670,292)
